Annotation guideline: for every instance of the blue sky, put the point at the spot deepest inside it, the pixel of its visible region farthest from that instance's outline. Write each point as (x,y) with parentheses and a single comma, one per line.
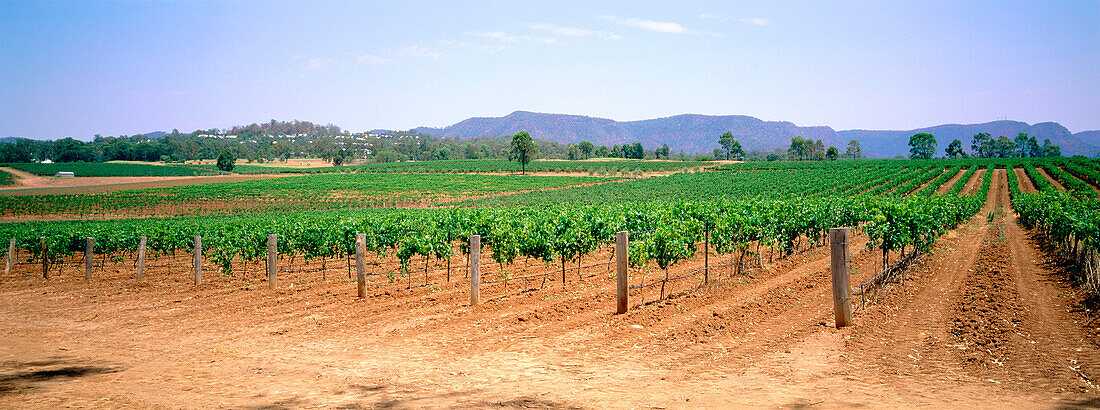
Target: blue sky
(81,68)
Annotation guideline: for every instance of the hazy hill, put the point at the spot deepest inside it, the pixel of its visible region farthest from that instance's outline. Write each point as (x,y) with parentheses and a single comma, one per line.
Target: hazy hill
(1089,137)
(689,132)
(699,133)
(888,143)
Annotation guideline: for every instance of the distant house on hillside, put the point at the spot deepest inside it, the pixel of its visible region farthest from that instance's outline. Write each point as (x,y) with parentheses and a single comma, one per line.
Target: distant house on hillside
(65,174)
(47,161)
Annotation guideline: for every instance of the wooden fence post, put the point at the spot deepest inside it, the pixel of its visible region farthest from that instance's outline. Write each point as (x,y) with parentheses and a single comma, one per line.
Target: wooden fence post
(89,252)
(45,260)
(706,255)
(842,305)
(272,260)
(11,257)
(621,258)
(141,258)
(475,272)
(361,265)
(198,260)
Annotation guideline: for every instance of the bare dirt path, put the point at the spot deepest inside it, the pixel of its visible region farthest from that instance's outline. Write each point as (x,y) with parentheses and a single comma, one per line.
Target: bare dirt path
(951,182)
(925,184)
(974,183)
(1051,179)
(761,338)
(981,317)
(1026,185)
(30,184)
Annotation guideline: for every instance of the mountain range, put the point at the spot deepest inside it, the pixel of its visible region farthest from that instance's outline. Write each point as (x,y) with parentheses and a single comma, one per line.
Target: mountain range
(694,133)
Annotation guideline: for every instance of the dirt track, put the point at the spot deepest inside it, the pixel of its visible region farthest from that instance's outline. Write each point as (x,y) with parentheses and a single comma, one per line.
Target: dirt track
(1026,184)
(982,322)
(30,184)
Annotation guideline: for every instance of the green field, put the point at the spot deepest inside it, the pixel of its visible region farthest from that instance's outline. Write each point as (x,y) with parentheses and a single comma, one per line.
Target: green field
(478,166)
(894,178)
(501,165)
(110,169)
(289,193)
(898,204)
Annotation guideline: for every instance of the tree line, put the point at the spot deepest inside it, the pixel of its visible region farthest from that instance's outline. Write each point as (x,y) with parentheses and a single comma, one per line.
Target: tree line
(278,141)
(983,145)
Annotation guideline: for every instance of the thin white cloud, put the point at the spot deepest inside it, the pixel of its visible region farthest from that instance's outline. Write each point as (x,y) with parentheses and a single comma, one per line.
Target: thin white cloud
(574,31)
(656,26)
(471,46)
(317,63)
(710,16)
(543,40)
(502,36)
(418,51)
(370,59)
(495,35)
(757,21)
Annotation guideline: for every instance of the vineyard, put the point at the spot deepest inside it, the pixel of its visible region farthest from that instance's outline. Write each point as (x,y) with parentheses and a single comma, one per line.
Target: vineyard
(601,167)
(594,167)
(893,203)
(898,205)
(110,169)
(293,193)
(727,275)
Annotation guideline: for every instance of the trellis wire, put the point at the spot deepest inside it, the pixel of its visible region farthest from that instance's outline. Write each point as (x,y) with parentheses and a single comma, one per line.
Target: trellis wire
(538,275)
(695,272)
(884,275)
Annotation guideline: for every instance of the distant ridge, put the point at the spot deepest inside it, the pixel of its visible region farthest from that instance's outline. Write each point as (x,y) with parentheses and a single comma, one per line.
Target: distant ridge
(688,132)
(694,133)
(887,143)
(697,133)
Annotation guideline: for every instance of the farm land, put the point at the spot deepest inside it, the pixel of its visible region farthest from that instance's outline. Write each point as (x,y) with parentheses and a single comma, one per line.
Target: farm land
(973,284)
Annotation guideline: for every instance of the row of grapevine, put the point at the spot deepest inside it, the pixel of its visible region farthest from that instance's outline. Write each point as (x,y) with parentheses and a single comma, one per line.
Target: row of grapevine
(1072,222)
(661,234)
(484,166)
(916,182)
(1084,173)
(1070,219)
(938,182)
(292,193)
(1042,184)
(1074,186)
(110,169)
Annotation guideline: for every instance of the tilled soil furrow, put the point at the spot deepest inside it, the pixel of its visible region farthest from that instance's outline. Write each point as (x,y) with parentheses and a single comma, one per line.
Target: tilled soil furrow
(1026,185)
(904,333)
(951,182)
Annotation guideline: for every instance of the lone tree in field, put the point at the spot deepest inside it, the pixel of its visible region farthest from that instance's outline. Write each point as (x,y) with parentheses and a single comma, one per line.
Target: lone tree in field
(226,160)
(523,150)
(922,146)
(832,153)
(854,151)
(955,149)
(730,145)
